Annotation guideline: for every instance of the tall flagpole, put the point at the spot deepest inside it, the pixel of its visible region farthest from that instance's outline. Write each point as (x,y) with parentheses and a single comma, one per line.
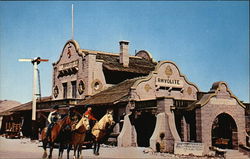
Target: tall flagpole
(72,21)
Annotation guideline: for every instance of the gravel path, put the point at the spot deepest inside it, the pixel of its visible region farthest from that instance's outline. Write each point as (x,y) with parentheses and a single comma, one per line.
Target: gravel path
(26,149)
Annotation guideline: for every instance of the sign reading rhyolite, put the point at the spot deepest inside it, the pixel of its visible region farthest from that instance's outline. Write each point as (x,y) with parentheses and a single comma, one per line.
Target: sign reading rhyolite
(169,82)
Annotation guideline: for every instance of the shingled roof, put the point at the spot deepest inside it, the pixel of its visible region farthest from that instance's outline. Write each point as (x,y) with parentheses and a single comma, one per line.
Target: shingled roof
(136,64)
(8,104)
(119,92)
(22,107)
(200,102)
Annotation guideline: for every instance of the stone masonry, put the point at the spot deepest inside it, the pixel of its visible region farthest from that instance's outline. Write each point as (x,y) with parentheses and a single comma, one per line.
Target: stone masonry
(222,102)
(165,124)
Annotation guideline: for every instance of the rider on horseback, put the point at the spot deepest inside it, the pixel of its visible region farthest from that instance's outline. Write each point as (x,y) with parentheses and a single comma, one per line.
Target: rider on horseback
(92,121)
(74,116)
(90,115)
(53,117)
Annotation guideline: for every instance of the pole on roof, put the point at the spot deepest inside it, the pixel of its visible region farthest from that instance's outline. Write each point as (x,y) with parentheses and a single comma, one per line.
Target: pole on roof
(72,10)
(39,85)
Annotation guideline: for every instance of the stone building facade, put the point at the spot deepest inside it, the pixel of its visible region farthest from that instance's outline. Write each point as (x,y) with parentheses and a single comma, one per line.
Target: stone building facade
(220,105)
(81,73)
(150,98)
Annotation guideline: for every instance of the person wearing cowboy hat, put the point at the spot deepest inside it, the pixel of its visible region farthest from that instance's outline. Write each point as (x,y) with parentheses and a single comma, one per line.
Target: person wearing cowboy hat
(53,117)
(73,114)
(90,115)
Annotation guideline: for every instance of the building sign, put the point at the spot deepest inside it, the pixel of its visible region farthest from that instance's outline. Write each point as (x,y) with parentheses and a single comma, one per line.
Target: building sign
(69,65)
(169,82)
(186,148)
(216,101)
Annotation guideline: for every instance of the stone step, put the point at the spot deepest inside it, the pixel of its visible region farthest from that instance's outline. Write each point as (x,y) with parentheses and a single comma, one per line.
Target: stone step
(235,154)
(236,157)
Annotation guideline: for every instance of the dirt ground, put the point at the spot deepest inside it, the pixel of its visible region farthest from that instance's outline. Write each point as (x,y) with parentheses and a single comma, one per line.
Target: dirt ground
(27,149)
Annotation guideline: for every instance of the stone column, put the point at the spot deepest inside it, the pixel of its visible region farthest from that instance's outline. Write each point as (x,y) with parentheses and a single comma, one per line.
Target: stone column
(188,132)
(184,129)
(160,127)
(198,125)
(165,123)
(128,136)
(235,139)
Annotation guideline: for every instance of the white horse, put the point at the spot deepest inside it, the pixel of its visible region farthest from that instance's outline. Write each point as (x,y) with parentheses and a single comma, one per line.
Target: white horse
(101,130)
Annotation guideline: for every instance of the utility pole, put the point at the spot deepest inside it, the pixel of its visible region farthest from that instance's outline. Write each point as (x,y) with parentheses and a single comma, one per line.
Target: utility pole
(34,96)
(35,63)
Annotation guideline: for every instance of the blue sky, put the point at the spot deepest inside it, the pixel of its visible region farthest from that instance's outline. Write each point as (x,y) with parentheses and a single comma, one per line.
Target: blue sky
(209,41)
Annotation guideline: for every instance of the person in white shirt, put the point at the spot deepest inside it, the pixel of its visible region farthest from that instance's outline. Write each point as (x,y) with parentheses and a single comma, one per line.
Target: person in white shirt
(53,117)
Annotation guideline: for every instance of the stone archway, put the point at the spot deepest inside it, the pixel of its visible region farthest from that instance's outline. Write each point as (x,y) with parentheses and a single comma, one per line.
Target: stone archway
(224,132)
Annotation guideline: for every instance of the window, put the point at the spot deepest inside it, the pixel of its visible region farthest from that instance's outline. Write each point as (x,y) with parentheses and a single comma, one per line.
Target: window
(73,83)
(81,87)
(56,92)
(65,90)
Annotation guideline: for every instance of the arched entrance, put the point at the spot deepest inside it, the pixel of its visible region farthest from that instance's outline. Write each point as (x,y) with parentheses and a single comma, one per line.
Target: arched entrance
(224,132)
(144,125)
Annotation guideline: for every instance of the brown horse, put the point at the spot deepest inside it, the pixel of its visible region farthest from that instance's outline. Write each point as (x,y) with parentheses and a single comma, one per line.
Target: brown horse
(101,130)
(55,132)
(77,137)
